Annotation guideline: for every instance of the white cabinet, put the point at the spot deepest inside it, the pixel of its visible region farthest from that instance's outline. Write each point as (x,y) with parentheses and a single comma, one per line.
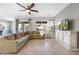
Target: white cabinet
(67,38)
(73,40)
(56,34)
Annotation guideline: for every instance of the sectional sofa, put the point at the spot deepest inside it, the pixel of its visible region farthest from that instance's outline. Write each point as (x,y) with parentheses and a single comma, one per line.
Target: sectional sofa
(14,42)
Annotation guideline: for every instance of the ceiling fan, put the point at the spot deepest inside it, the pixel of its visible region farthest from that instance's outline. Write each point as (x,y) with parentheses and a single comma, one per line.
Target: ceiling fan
(28,8)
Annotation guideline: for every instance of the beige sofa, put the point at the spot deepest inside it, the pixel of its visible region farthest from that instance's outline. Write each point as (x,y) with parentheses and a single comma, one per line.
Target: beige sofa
(14,42)
(36,35)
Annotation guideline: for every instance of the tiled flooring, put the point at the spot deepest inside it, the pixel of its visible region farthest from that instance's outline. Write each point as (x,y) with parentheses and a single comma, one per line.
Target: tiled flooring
(45,47)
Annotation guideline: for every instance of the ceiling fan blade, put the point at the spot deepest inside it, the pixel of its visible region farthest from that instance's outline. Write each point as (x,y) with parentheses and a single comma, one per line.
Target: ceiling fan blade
(31,6)
(29,12)
(22,10)
(21,5)
(34,10)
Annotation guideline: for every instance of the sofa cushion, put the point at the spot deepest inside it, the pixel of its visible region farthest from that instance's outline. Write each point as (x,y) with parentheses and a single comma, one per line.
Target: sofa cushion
(10,37)
(17,35)
(22,34)
(25,33)
(22,38)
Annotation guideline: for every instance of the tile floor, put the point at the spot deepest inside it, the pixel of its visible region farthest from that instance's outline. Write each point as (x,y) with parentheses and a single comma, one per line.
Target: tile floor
(45,47)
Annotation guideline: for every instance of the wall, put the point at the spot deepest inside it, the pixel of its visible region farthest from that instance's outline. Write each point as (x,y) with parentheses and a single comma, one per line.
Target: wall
(72,13)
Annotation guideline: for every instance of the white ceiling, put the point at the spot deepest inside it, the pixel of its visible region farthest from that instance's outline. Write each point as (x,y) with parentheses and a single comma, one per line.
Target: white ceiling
(9,11)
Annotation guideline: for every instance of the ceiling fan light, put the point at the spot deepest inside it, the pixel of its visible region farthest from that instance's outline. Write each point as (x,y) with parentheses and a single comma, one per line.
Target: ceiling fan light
(27,10)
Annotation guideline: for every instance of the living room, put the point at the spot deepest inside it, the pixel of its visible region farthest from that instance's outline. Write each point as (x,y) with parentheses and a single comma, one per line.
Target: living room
(39,28)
